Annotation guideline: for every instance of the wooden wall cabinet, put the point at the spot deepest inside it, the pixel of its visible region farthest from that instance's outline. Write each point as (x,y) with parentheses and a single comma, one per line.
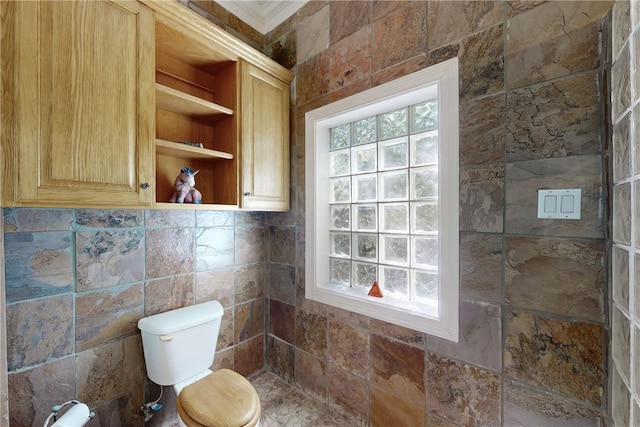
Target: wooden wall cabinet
(77,111)
(103,102)
(264,126)
(213,90)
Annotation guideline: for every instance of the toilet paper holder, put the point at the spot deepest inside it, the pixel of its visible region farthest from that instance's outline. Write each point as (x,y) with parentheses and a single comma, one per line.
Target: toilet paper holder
(77,416)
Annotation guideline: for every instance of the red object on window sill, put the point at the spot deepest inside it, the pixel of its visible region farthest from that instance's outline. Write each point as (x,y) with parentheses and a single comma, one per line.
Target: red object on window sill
(375,290)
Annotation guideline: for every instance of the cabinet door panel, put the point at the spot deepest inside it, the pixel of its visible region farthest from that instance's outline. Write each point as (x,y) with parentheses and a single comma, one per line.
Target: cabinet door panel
(265,140)
(84,93)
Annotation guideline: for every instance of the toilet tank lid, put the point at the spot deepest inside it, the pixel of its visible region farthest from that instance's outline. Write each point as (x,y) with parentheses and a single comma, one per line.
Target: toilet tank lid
(181,318)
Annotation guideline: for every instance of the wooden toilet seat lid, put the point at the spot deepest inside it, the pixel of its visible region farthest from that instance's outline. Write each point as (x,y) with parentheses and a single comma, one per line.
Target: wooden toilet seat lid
(221,399)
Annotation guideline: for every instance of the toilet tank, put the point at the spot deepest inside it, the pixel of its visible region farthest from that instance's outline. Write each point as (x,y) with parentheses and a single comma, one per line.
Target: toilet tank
(181,343)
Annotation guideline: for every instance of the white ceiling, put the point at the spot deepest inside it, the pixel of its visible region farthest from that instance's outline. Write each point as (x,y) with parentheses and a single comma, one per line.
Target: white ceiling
(263,15)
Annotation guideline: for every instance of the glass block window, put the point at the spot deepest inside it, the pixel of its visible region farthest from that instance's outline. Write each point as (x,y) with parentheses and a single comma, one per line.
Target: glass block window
(374,153)
(382,201)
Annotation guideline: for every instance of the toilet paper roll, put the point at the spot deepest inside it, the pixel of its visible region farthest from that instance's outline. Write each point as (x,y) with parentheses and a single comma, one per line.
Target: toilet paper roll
(77,416)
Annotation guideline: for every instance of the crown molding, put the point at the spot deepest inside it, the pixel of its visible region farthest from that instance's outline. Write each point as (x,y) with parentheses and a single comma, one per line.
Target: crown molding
(263,15)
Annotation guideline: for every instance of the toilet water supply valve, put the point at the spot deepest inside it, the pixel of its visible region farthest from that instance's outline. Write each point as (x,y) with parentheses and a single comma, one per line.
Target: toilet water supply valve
(150,408)
(77,416)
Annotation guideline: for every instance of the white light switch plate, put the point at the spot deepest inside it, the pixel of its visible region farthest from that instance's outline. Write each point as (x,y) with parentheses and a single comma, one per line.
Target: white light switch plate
(559,204)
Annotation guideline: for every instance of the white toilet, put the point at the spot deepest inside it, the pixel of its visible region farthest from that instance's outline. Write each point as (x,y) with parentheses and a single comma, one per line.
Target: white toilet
(179,347)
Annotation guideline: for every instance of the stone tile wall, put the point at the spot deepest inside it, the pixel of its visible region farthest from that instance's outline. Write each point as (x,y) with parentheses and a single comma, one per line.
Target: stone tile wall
(625,177)
(534,330)
(78,281)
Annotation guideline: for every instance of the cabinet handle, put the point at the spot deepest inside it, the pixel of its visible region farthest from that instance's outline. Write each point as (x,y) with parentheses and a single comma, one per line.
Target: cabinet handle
(247,194)
(144,185)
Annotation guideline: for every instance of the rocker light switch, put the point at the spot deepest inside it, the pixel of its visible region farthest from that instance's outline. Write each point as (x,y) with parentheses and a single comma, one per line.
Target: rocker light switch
(559,204)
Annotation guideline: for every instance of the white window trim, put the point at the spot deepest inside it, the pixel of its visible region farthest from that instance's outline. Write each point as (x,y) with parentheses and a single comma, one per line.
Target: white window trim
(407,90)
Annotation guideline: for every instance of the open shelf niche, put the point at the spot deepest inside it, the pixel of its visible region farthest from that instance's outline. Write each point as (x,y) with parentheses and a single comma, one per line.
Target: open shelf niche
(196,103)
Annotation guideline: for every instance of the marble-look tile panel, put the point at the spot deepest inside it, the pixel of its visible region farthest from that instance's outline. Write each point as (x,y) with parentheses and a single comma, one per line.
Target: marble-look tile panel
(250,218)
(168,293)
(620,277)
(346,17)
(434,420)
(281,317)
(622,156)
(552,40)
(113,371)
(635,133)
(108,315)
(216,285)
(462,393)
(560,276)
(214,248)
(409,21)
(282,241)
(311,333)
(312,34)
(636,301)
(621,84)
(312,81)
(109,258)
(547,353)
(635,78)
(397,332)
(621,343)
(39,330)
(249,320)
(282,283)
(169,252)
(523,179)
(281,358)
(398,70)
(635,360)
(481,266)
(345,316)
(33,392)
(524,406)
(110,218)
(249,245)
(215,219)
(311,374)
(169,218)
(249,282)
(481,198)
(349,395)
(388,410)
(226,334)
(515,7)
(349,348)
(249,356)
(619,400)
(300,255)
(397,368)
(620,25)
(27,220)
(449,21)
(554,119)
(482,132)
(380,9)
(284,50)
(37,264)
(350,58)
(480,337)
(481,66)
(621,220)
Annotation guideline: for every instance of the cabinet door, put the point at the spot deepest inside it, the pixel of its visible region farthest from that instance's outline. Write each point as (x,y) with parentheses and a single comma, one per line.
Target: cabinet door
(264,143)
(80,78)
